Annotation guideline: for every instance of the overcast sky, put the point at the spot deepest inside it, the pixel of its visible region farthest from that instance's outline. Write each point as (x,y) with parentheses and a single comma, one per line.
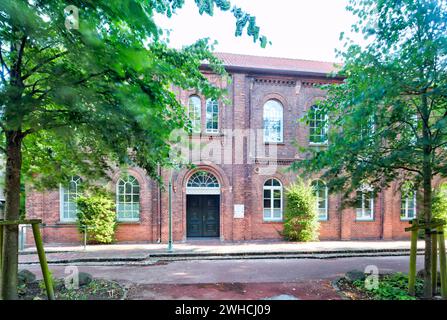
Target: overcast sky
(304,29)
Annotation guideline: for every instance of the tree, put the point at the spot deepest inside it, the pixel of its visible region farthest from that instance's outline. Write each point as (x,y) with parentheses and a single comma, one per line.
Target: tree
(387,119)
(79,96)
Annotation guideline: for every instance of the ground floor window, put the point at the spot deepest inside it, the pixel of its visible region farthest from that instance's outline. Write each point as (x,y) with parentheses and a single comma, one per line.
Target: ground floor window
(365,205)
(68,195)
(128,199)
(272,200)
(408,205)
(321,194)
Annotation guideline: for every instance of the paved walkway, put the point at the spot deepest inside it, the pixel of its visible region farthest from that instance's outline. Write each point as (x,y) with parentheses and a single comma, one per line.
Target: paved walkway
(236,279)
(140,253)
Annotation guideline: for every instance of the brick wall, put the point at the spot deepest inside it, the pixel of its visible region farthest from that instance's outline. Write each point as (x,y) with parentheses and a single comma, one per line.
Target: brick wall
(241,178)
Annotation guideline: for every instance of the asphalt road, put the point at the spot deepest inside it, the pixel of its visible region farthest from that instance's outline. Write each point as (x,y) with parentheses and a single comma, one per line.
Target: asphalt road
(237,271)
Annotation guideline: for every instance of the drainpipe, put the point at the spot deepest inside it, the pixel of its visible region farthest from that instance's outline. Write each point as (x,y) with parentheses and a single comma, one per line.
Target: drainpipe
(170,249)
(159,207)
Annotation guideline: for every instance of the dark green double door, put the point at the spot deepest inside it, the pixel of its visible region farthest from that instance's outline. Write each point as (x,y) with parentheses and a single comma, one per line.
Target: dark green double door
(202,216)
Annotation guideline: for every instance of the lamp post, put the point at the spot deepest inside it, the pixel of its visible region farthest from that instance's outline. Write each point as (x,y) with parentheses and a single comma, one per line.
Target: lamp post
(170,248)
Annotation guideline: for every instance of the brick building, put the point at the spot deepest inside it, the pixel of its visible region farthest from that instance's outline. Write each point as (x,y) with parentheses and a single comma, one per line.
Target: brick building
(236,190)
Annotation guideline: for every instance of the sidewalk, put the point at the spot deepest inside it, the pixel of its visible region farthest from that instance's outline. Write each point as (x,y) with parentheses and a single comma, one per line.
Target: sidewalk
(213,250)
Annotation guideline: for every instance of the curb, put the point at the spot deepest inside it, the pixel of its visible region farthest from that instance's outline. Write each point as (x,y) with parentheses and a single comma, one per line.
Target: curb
(152,259)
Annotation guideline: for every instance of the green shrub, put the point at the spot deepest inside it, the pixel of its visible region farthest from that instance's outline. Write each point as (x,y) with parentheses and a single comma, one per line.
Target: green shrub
(439,204)
(300,216)
(96,210)
(392,287)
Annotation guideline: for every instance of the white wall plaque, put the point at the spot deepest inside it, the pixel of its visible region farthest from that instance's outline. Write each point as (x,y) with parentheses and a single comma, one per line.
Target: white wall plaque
(238,211)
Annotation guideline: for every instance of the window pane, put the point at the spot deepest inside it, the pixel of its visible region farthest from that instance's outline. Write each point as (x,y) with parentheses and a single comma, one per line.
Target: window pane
(267,203)
(277,203)
(267,213)
(277,213)
(195,113)
(273,121)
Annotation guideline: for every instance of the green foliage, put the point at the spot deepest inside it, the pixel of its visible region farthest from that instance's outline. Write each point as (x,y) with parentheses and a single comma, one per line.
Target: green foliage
(392,287)
(300,215)
(440,203)
(97,212)
(82,98)
(387,113)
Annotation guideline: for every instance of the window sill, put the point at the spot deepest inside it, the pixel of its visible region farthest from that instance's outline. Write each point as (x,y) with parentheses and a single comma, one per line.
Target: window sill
(364,220)
(323,220)
(128,221)
(315,144)
(62,222)
(275,143)
(406,219)
(272,221)
(213,134)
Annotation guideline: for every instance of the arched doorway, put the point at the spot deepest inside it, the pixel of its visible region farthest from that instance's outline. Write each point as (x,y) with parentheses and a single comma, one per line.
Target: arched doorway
(202,206)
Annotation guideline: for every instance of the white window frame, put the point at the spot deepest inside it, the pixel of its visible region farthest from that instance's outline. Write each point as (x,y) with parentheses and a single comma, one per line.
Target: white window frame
(321,184)
(209,115)
(313,125)
(196,120)
(361,212)
(125,179)
(270,104)
(404,210)
(62,191)
(271,189)
(203,182)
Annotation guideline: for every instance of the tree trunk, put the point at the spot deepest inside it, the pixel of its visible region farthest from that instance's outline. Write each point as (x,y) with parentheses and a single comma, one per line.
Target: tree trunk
(12,210)
(428,292)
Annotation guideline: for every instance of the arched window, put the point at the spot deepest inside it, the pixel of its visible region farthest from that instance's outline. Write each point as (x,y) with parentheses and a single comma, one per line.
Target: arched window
(317,126)
(272,200)
(68,196)
(321,193)
(203,182)
(128,199)
(408,204)
(195,113)
(365,204)
(212,116)
(273,121)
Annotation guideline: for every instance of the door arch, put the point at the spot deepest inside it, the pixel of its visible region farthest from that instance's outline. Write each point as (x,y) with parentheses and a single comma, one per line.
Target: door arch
(202,206)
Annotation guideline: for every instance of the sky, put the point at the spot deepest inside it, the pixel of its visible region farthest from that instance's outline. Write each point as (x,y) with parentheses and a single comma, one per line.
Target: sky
(302,29)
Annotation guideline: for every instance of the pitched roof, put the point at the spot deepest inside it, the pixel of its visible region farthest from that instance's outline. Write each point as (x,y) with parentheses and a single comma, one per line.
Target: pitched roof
(242,61)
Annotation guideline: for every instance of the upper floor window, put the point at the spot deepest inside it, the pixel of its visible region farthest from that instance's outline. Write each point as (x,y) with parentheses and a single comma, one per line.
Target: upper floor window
(195,113)
(272,200)
(273,121)
(321,193)
(212,116)
(408,205)
(365,204)
(128,199)
(68,196)
(317,126)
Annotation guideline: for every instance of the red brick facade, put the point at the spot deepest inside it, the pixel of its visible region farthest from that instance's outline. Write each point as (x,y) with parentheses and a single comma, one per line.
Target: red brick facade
(240,175)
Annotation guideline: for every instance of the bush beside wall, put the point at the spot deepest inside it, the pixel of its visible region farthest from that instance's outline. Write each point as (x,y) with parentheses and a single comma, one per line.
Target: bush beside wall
(300,216)
(96,210)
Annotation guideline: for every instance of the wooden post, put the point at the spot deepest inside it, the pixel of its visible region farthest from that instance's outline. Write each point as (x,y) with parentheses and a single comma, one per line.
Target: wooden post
(43,261)
(413,255)
(442,263)
(434,266)
(1,250)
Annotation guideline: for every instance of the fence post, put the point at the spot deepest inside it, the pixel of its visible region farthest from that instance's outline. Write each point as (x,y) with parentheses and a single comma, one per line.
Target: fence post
(413,256)
(434,266)
(43,261)
(1,251)
(442,263)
